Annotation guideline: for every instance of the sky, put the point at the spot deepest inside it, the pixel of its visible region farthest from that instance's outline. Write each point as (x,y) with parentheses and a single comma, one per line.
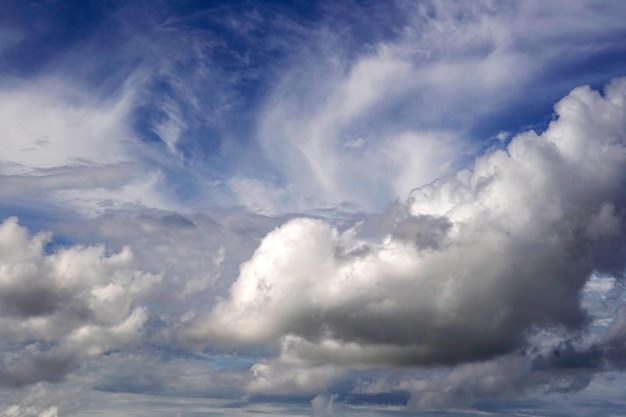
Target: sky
(312,208)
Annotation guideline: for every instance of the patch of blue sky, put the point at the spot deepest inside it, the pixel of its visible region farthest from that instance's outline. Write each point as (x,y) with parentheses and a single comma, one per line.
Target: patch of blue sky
(38,217)
(48,29)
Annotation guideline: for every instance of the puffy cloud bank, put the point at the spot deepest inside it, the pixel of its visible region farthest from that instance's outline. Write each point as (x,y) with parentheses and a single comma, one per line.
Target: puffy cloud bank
(467,269)
(58,309)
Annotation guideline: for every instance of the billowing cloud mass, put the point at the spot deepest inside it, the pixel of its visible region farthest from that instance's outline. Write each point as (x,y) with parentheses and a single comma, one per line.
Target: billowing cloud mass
(61,308)
(312,208)
(472,266)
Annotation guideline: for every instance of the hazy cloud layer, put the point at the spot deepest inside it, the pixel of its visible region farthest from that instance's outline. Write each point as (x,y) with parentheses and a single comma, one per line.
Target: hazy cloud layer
(65,148)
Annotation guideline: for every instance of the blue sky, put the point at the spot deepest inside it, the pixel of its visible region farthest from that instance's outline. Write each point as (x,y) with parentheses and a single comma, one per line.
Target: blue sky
(319,208)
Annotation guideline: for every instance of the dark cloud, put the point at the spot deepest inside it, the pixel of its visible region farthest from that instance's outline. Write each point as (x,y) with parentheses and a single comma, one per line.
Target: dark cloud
(32,301)
(567,366)
(30,368)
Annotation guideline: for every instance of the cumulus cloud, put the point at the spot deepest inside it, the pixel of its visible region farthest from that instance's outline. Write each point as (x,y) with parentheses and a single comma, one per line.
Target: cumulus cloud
(63,307)
(194,252)
(477,262)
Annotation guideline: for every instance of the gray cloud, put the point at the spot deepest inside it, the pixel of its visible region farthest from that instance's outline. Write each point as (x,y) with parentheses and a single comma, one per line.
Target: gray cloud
(479,262)
(566,367)
(33,367)
(63,307)
(549,368)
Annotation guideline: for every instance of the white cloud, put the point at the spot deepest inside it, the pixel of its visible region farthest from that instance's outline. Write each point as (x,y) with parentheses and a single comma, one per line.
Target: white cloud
(142,190)
(256,195)
(313,144)
(194,253)
(65,306)
(19,411)
(476,263)
(276,377)
(323,405)
(48,124)
(70,149)
(450,67)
